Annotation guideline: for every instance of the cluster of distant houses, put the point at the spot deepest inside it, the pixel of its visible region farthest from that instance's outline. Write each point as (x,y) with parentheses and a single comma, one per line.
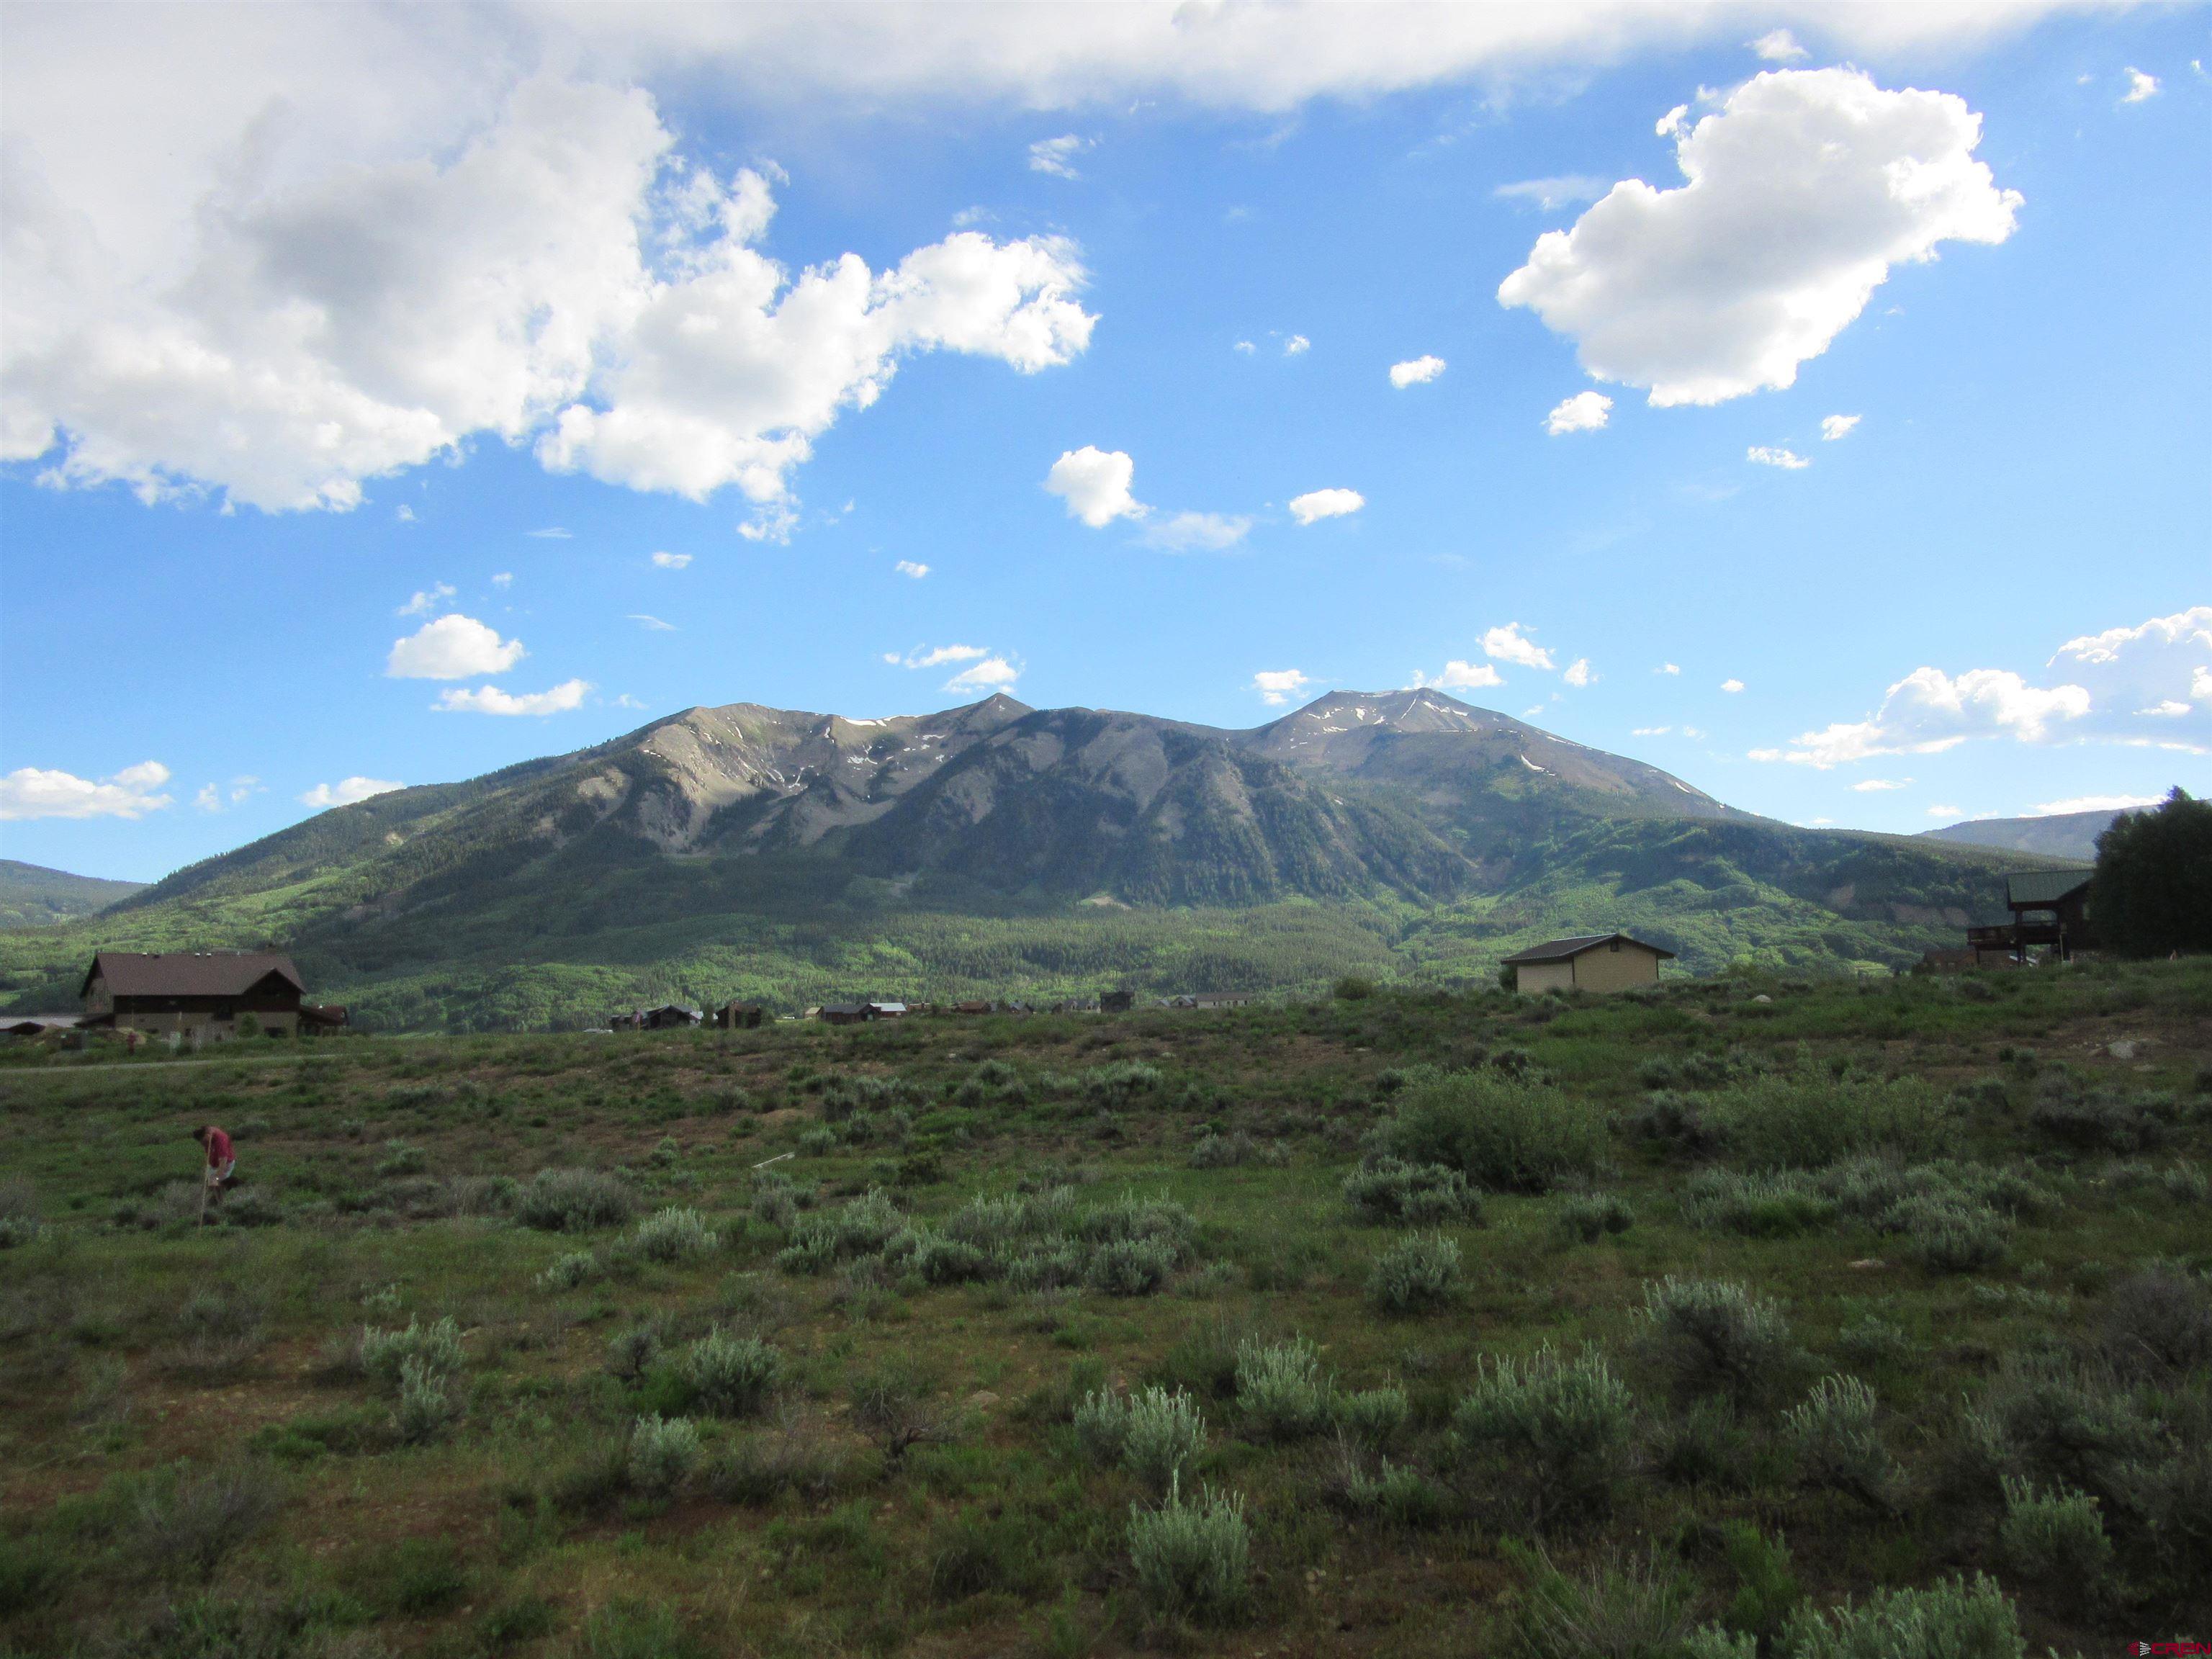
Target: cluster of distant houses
(742,1016)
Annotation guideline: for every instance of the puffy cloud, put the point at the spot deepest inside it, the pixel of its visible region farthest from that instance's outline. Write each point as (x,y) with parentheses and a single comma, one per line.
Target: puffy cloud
(1459,676)
(1510,644)
(503,579)
(1779,46)
(2140,86)
(1586,411)
(213,797)
(1668,668)
(491,700)
(1057,155)
(1549,193)
(559,274)
(1095,484)
(910,567)
(452,648)
(1650,731)
(1945,812)
(1277,686)
(652,624)
(1244,347)
(210,798)
(1833,427)
(404,513)
(993,674)
(1928,711)
(671,560)
(2160,670)
(1801,191)
(1196,533)
(1296,344)
(1415,371)
(1874,786)
(426,601)
(31,791)
(1731,686)
(2093,803)
(347,791)
(938,656)
(1578,672)
(1317,504)
(1787,460)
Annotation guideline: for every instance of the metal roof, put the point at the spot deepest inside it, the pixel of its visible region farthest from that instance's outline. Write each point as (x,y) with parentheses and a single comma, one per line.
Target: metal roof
(2039,888)
(187,973)
(1562,950)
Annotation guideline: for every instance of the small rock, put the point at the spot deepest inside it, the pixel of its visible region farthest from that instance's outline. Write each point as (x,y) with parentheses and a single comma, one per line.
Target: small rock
(1762,997)
(2124,1050)
(982,1400)
(1868,1264)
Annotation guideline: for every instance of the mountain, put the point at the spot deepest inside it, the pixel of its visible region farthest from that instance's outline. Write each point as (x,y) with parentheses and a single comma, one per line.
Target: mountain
(996,848)
(32,896)
(2071,835)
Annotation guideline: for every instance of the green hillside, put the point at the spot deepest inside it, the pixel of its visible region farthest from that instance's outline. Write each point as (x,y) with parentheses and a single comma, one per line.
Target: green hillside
(32,896)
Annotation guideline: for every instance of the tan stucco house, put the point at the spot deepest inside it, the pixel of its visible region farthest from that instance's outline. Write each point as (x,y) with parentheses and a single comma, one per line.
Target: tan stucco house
(1588,961)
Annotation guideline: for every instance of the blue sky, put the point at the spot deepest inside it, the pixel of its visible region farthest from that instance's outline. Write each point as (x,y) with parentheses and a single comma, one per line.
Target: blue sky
(323,396)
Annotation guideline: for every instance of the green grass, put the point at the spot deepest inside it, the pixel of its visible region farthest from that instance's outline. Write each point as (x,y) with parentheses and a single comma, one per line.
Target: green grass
(194,1456)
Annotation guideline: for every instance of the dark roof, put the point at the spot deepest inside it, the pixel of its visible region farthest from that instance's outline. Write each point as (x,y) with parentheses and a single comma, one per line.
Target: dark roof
(847,1008)
(2038,888)
(1562,950)
(187,973)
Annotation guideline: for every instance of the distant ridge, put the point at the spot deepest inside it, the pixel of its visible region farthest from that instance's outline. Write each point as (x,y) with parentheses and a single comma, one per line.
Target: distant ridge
(32,896)
(2058,834)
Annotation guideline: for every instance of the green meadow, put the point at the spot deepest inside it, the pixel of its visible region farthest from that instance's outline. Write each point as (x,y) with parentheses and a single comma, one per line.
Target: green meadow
(1800,1316)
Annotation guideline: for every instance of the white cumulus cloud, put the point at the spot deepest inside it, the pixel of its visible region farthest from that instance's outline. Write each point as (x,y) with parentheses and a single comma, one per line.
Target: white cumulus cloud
(1549,193)
(1196,533)
(1578,672)
(1801,191)
(453,647)
(1510,644)
(1833,427)
(347,791)
(1929,711)
(1460,675)
(426,600)
(1586,411)
(1779,46)
(1731,686)
(31,791)
(2156,672)
(1416,371)
(2140,86)
(1317,504)
(911,567)
(1296,344)
(1668,668)
(1095,484)
(1787,460)
(1277,686)
(671,560)
(936,656)
(560,276)
(991,675)
(1875,786)
(2093,803)
(491,700)
(1057,155)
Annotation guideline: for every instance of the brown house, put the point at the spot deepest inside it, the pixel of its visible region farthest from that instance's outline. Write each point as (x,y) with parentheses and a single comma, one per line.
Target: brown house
(2048,907)
(739,1016)
(203,992)
(1588,961)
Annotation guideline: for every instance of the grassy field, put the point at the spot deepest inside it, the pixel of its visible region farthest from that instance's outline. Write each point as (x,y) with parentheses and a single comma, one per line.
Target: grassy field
(1748,1317)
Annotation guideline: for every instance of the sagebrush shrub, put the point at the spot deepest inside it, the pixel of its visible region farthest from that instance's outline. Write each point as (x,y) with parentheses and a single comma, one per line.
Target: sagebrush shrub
(1418,1275)
(1873,1340)
(1838,1446)
(438,1347)
(1563,1430)
(1948,1232)
(1281,1389)
(19,1213)
(663,1452)
(1130,1266)
(630,1354)
(674,1235)
(1951,1619)
(2070,1424)
(2157,1322)
(1592,1215)
(220,1327)
(731,1375)
(1102,1425)
(401,1159)
(1388,1190)
(1807,1117)
(1714,1336)
(1628,1607)
(1165,1430)
(566,1272)
(1502,1133)
(2055,1539)
(820,1239)
(1193,1557)
(427,1407)
(2096,1120)
(1373,1417)
(575,1200)
(180,1521)
(1775,1204)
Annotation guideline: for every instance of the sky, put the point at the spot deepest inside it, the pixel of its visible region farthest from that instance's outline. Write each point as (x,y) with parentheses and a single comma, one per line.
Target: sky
(1809,401)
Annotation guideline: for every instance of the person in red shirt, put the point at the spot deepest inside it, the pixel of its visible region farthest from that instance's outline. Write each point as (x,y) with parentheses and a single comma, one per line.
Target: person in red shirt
(221,1165)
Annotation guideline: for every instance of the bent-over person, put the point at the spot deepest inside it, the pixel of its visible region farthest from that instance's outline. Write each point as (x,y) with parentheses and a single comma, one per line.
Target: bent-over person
(221,1165)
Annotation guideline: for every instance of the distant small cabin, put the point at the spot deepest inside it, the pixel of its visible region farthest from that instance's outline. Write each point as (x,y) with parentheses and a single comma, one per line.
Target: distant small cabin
(888,1010)
(738,1016)
(204,993)
(2048,907)
(1588,961)
(1222,1000)
(669,1016)
(971,1007)
(846,1014)
(1116,1002)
